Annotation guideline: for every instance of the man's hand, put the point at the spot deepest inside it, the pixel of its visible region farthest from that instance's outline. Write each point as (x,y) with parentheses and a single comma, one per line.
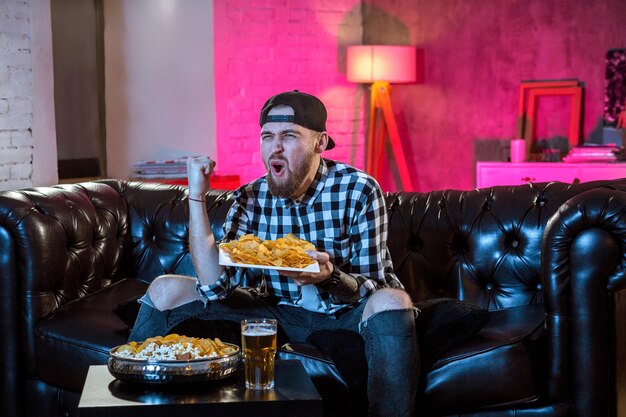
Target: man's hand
(304,278)
(199,169)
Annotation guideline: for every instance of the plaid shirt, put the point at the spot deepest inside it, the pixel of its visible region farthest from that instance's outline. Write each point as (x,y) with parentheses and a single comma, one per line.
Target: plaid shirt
(342,213)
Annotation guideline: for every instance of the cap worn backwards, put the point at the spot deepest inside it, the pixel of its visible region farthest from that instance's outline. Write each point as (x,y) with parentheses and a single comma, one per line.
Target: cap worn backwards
(309,112)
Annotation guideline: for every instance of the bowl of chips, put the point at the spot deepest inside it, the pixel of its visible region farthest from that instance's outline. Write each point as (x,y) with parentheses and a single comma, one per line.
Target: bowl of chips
(287,253)
(174,359)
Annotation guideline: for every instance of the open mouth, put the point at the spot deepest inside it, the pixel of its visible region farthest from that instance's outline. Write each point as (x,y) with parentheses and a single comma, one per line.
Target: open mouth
(278,167)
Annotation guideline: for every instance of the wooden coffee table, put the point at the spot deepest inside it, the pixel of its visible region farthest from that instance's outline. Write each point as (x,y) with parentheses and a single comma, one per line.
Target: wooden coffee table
(294,394)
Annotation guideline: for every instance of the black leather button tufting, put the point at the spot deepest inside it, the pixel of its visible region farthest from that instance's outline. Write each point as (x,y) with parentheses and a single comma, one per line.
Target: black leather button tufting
(489,286)
(541,202)
(488,203)
(514,244)
(414,244)
(539,287)
(392,205)
(459,243)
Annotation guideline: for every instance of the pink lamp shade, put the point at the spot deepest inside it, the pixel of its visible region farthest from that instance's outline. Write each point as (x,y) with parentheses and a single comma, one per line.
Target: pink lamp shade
(369,63)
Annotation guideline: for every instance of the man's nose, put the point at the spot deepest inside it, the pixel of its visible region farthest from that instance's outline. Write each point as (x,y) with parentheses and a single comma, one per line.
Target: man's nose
(277,145)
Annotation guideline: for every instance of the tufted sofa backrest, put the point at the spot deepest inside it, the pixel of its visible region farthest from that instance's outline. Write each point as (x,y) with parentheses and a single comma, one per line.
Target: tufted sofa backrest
(57,244)
(159,227)
(482,246)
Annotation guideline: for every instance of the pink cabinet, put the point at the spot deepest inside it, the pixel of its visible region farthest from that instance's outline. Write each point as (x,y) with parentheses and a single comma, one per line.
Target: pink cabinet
(489,174)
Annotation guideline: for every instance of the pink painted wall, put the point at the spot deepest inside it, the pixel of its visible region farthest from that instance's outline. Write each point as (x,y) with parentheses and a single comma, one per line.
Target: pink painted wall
(475,54)
(264,47)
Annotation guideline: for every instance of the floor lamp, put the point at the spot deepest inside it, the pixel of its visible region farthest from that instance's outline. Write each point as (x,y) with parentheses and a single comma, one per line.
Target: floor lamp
(381,65)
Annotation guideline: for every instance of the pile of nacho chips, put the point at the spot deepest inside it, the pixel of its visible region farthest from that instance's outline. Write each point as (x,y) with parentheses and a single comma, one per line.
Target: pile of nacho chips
(175,347)
(288,251)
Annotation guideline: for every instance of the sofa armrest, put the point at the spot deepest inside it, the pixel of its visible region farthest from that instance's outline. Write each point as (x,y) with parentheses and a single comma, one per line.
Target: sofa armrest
(583,273)
(10,372)
(57,244)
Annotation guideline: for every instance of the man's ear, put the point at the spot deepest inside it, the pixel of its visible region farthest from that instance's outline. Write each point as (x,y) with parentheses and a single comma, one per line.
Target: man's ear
(321,142)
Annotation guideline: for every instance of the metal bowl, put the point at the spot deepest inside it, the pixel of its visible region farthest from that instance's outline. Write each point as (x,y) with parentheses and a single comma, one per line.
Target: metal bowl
(173,371)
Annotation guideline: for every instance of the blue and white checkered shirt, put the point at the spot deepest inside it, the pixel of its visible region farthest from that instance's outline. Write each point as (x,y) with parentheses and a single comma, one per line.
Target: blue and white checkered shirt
(342,213)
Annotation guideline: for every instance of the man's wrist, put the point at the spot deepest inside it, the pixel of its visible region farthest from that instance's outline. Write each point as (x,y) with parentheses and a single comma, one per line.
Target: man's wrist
(343,287)
(332,281)
(196,196)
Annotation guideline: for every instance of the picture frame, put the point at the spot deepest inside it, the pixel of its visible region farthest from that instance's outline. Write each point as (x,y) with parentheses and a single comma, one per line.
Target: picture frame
(529,94)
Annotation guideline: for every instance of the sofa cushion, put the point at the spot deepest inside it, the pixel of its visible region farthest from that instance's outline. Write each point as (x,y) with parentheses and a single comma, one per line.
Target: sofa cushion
(81,333)
(502,364)
(444,323)
(128,310)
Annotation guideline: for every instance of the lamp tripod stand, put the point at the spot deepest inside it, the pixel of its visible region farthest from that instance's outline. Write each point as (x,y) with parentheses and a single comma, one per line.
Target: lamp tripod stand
(381,123)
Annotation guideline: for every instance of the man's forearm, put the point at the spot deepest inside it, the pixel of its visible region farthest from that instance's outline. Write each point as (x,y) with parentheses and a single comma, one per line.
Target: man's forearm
(202,246)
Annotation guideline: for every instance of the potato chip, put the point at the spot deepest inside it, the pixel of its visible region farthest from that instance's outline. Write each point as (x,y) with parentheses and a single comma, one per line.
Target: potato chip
(174,346)
(287,251)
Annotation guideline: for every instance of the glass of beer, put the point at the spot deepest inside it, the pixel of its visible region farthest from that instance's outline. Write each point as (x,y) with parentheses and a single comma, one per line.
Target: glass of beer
(258,344)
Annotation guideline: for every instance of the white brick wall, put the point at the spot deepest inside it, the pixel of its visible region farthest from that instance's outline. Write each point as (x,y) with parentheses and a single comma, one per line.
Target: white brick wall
(16,95)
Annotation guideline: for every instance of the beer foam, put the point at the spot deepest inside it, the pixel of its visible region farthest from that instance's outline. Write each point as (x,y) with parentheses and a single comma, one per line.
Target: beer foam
(258,331)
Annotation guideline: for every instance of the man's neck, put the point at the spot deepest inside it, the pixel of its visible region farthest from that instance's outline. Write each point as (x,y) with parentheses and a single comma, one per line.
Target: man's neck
(306,184)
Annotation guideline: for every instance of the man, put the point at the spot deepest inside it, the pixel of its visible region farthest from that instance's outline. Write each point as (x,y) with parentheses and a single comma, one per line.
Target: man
(337,208)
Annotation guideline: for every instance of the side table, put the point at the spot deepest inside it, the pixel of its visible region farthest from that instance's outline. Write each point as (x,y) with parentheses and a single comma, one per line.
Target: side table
(489,174)
(294,395)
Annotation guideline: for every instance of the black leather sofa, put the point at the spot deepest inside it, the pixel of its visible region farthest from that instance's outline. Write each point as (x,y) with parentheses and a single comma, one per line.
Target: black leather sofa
(547,261)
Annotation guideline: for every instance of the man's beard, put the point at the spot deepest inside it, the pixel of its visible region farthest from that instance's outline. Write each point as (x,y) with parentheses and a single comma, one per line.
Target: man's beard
(293,180)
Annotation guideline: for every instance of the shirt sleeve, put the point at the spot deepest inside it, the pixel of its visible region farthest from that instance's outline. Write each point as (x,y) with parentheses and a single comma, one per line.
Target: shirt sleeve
(236,225)
(370,262)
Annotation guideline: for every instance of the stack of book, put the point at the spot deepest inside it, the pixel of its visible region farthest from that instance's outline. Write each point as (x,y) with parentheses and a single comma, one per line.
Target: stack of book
(174,171)
(593,153)
(172,168)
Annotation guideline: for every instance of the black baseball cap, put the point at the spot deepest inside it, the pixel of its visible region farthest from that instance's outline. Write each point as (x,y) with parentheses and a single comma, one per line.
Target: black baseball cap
(309,111)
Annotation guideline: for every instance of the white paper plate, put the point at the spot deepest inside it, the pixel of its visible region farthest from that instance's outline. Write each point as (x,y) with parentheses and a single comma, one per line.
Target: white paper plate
(226,261)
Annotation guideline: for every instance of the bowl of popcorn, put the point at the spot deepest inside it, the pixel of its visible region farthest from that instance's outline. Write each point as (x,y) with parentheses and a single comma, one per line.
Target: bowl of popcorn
(172,359)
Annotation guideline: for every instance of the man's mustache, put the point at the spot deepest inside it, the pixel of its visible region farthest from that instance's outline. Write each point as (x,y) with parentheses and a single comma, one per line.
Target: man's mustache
(278,157)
